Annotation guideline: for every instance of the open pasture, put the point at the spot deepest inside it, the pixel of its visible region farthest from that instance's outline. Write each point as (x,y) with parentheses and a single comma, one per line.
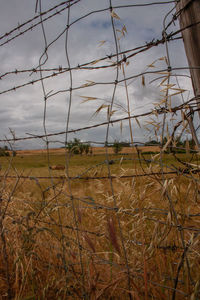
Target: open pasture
(105,230)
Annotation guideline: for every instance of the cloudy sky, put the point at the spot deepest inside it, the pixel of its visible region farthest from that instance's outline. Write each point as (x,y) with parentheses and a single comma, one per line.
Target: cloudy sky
(90,38)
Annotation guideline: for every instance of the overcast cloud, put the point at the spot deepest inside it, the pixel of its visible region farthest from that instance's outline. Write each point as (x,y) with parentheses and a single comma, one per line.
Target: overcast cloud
(23,110)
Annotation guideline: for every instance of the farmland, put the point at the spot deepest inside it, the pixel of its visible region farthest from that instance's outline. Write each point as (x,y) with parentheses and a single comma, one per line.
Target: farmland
(65,234)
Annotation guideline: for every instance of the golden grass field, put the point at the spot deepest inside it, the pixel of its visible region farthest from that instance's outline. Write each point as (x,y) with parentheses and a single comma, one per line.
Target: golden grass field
(96,150)
(91,237)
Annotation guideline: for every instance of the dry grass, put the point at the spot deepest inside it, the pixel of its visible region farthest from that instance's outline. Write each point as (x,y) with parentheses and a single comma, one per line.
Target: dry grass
(95,150)
(64,242)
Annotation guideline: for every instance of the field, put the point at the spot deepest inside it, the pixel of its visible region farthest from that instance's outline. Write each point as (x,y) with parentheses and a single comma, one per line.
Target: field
(127,229)
(95,150)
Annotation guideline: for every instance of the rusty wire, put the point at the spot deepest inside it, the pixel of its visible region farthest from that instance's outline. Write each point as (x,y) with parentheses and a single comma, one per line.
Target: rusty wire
(189,107)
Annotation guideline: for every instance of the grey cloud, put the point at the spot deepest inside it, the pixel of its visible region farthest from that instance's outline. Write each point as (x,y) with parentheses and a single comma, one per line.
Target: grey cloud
(23,110)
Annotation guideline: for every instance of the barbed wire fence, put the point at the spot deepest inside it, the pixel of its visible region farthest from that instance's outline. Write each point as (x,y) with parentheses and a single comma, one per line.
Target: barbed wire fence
(93,234)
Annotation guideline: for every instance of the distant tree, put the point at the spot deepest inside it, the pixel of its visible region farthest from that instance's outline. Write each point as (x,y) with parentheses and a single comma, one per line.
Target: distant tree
(125,144)
(117,147)
(73,146)
(3,152)
(81,148)
(152,143)
(76,147)
(87,148)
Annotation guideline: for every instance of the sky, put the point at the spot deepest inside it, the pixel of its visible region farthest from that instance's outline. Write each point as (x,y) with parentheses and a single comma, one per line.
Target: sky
(24,112)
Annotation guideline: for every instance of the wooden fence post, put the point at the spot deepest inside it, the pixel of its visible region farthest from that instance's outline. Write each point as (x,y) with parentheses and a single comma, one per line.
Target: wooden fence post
(188,12)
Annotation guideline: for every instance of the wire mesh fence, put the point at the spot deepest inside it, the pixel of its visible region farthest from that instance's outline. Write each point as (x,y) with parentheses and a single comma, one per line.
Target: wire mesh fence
(108,208)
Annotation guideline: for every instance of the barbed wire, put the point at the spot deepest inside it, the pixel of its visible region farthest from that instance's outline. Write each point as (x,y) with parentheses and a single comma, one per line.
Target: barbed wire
(60,205)
(158,111)
(178,172)
(30,28)
(19,26)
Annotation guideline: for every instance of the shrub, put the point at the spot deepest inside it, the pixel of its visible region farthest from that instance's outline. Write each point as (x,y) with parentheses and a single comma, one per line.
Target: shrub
(76,147)
(4,152)
(117,147)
